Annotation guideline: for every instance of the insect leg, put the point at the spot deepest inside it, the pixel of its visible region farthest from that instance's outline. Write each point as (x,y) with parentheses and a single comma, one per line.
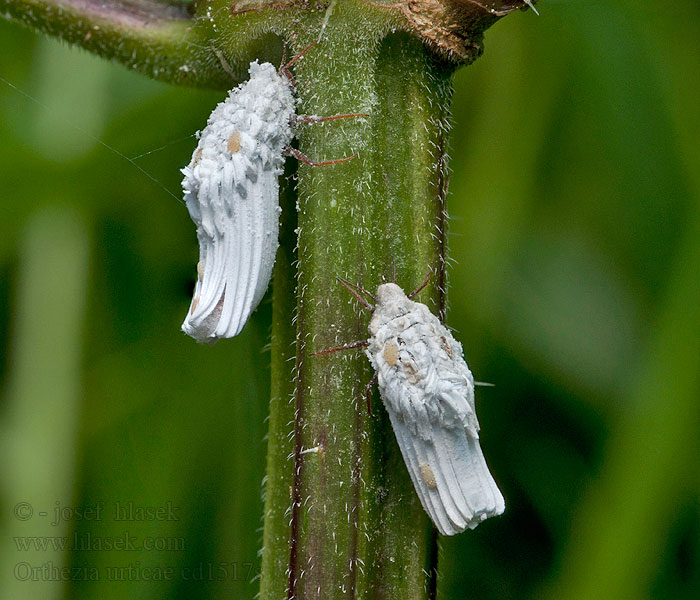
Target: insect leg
(360,344)
(307,161)
(315,119)
(372,382)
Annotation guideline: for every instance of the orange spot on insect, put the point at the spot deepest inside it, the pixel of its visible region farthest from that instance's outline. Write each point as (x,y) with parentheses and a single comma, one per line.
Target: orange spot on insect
(391,353)
(428,476)
(234,142)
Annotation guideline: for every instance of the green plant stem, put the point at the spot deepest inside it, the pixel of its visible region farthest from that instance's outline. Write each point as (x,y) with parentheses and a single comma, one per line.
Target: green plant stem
(179,43)
(355,527)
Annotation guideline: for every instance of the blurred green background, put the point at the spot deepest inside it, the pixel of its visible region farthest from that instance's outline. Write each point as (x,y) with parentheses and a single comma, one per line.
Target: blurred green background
(575,231)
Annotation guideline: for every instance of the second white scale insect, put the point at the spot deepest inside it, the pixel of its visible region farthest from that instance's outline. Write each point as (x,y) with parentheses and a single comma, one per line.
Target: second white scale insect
(231,190)
(428,391)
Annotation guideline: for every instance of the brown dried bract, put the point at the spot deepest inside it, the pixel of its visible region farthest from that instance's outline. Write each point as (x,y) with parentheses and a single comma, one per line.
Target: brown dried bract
(453,28)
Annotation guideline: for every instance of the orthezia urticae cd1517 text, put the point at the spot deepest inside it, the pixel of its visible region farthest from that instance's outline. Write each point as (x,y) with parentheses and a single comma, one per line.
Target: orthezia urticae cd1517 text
(231,190)
(428,391)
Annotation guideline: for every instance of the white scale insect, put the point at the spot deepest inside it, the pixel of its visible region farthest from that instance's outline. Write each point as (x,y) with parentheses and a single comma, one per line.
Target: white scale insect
(428,391)
(231,190)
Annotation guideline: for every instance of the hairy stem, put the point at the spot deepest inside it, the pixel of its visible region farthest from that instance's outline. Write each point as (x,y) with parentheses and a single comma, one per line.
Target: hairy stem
(353,524)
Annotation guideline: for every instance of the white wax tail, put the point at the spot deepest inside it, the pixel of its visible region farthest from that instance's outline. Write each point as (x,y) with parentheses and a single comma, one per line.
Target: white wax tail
(450,476)
(236,265)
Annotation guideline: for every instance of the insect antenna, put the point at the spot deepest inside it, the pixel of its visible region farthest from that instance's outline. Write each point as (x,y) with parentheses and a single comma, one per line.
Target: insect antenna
(420,287)
(284,67)
(298,56)
(356,290)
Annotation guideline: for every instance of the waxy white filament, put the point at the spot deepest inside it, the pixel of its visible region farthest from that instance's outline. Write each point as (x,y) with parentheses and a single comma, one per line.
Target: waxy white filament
(232,193)
(428,391)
